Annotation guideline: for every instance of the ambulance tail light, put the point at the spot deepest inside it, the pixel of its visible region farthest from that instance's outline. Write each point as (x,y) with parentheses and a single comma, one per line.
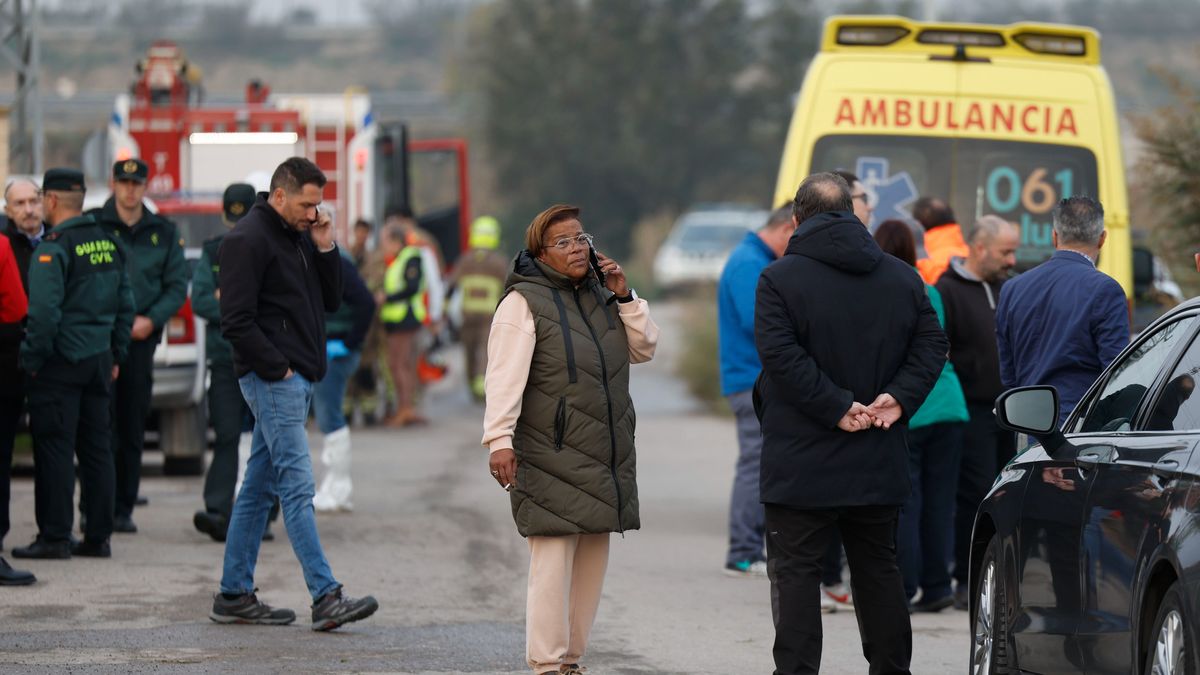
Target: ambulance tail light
(938,36)
(181,328)
(1064,45)
(874,36)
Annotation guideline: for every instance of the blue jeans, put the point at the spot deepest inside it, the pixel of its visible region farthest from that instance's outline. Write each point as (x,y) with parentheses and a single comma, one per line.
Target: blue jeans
(745,510)
(329,393)
(925,540)
(279,464)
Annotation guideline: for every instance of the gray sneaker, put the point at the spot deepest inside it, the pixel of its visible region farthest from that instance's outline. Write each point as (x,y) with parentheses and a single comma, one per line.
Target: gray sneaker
(335,609)
(248,609)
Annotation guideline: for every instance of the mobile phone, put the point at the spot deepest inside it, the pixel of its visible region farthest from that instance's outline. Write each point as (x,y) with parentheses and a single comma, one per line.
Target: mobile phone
(595,262)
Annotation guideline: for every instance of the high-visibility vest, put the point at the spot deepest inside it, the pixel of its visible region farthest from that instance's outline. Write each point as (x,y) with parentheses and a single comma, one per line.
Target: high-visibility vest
(394,282)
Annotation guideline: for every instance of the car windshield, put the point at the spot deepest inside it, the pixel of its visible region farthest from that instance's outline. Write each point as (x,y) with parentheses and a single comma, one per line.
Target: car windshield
(712,233)
(1020,182)
(195,228)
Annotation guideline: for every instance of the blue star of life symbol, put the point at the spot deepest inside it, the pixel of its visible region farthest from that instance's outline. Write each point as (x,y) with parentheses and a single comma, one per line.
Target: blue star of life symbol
(891,194)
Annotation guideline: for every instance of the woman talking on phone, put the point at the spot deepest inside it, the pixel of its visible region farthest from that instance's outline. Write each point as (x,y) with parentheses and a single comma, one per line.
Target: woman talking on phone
(559,423)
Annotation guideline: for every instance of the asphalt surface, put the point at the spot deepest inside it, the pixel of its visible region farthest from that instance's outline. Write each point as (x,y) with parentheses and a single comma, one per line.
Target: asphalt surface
(432,539)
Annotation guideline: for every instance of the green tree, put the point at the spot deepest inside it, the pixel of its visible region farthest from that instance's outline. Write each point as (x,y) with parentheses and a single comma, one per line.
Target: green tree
(786,36)
(630,107)
(1169,171)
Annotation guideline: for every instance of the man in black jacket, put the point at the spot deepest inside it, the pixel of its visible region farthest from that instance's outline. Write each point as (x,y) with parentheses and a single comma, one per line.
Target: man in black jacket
(837,324)
(970,290)
(280,273)
(24,229)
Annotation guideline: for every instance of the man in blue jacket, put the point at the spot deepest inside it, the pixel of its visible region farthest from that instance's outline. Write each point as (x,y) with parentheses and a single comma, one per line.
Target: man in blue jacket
(739,368)
(1064,321)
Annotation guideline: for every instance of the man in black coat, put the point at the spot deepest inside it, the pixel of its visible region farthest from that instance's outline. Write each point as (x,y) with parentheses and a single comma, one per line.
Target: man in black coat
(280,272)
(850,347)
(22,225)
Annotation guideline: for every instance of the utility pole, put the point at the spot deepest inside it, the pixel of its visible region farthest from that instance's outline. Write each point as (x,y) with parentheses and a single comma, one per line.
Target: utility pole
(20,45)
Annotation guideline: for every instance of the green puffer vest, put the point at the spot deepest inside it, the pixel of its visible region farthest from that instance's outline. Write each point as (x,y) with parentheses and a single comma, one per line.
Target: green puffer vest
(576,469)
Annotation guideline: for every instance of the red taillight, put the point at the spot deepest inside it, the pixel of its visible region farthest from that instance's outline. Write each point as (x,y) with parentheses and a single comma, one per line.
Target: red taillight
(181,329)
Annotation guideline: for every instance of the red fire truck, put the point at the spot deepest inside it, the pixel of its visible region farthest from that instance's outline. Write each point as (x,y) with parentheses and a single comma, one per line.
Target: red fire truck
(194,151)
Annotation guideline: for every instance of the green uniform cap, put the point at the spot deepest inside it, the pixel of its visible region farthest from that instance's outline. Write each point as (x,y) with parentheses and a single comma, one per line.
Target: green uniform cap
(131,169)
(63,180)
(239,197)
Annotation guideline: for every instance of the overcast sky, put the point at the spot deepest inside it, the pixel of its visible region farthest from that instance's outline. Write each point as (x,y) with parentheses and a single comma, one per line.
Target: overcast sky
(352,12)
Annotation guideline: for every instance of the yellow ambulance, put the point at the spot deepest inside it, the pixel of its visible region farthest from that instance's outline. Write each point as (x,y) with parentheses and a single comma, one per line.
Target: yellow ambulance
(1005,120)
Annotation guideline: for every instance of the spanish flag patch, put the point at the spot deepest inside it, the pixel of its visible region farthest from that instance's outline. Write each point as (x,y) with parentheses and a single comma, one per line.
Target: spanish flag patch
(45,258)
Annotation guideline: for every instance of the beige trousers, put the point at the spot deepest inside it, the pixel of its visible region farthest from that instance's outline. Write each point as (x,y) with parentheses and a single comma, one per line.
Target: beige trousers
(565,578)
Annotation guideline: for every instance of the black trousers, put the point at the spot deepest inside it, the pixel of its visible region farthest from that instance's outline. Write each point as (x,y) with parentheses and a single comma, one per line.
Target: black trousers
(986,449)
(796,541)
(227,412)
(831,562)
(12,405)
(69,418)
(131,405)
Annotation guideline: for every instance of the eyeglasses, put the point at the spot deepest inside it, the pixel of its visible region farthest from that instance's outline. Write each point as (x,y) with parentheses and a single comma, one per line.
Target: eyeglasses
(863,196)
(565,243)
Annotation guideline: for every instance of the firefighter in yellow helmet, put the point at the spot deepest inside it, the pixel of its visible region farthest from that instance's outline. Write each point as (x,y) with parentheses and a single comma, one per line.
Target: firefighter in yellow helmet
(479,277)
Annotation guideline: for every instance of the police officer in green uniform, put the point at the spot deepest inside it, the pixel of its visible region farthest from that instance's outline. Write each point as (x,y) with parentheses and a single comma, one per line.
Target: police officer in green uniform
(226,408)
(80,315)
(159,275)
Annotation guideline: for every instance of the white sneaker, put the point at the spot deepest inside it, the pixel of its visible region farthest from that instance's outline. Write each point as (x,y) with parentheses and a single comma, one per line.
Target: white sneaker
(839,593)
(747,569)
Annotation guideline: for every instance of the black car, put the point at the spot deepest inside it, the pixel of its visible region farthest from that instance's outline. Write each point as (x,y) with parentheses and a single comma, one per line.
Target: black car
(1086,553)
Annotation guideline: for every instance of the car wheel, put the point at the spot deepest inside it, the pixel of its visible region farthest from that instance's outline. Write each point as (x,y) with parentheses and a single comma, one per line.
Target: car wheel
(1168,650)
(992,647)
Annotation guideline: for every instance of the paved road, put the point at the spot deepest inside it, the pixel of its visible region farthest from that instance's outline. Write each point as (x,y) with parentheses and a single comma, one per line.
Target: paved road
(432,539)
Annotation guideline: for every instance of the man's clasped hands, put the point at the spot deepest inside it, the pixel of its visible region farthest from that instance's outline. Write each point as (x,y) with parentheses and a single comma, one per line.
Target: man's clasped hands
(883,412)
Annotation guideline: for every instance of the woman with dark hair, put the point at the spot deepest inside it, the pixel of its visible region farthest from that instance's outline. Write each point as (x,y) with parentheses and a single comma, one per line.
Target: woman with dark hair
(894,237)
(559,423)
(925,537)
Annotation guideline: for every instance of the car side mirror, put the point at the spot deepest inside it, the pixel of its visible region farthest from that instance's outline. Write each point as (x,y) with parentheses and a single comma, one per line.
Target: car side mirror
(1028,410)
(1033,411)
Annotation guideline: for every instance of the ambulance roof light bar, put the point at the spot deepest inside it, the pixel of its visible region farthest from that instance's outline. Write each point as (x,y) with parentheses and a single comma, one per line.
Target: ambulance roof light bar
(967,41)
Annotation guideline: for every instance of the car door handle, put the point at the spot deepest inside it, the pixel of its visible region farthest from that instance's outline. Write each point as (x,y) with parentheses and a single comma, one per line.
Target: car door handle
(1166,468)
(1089,460)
